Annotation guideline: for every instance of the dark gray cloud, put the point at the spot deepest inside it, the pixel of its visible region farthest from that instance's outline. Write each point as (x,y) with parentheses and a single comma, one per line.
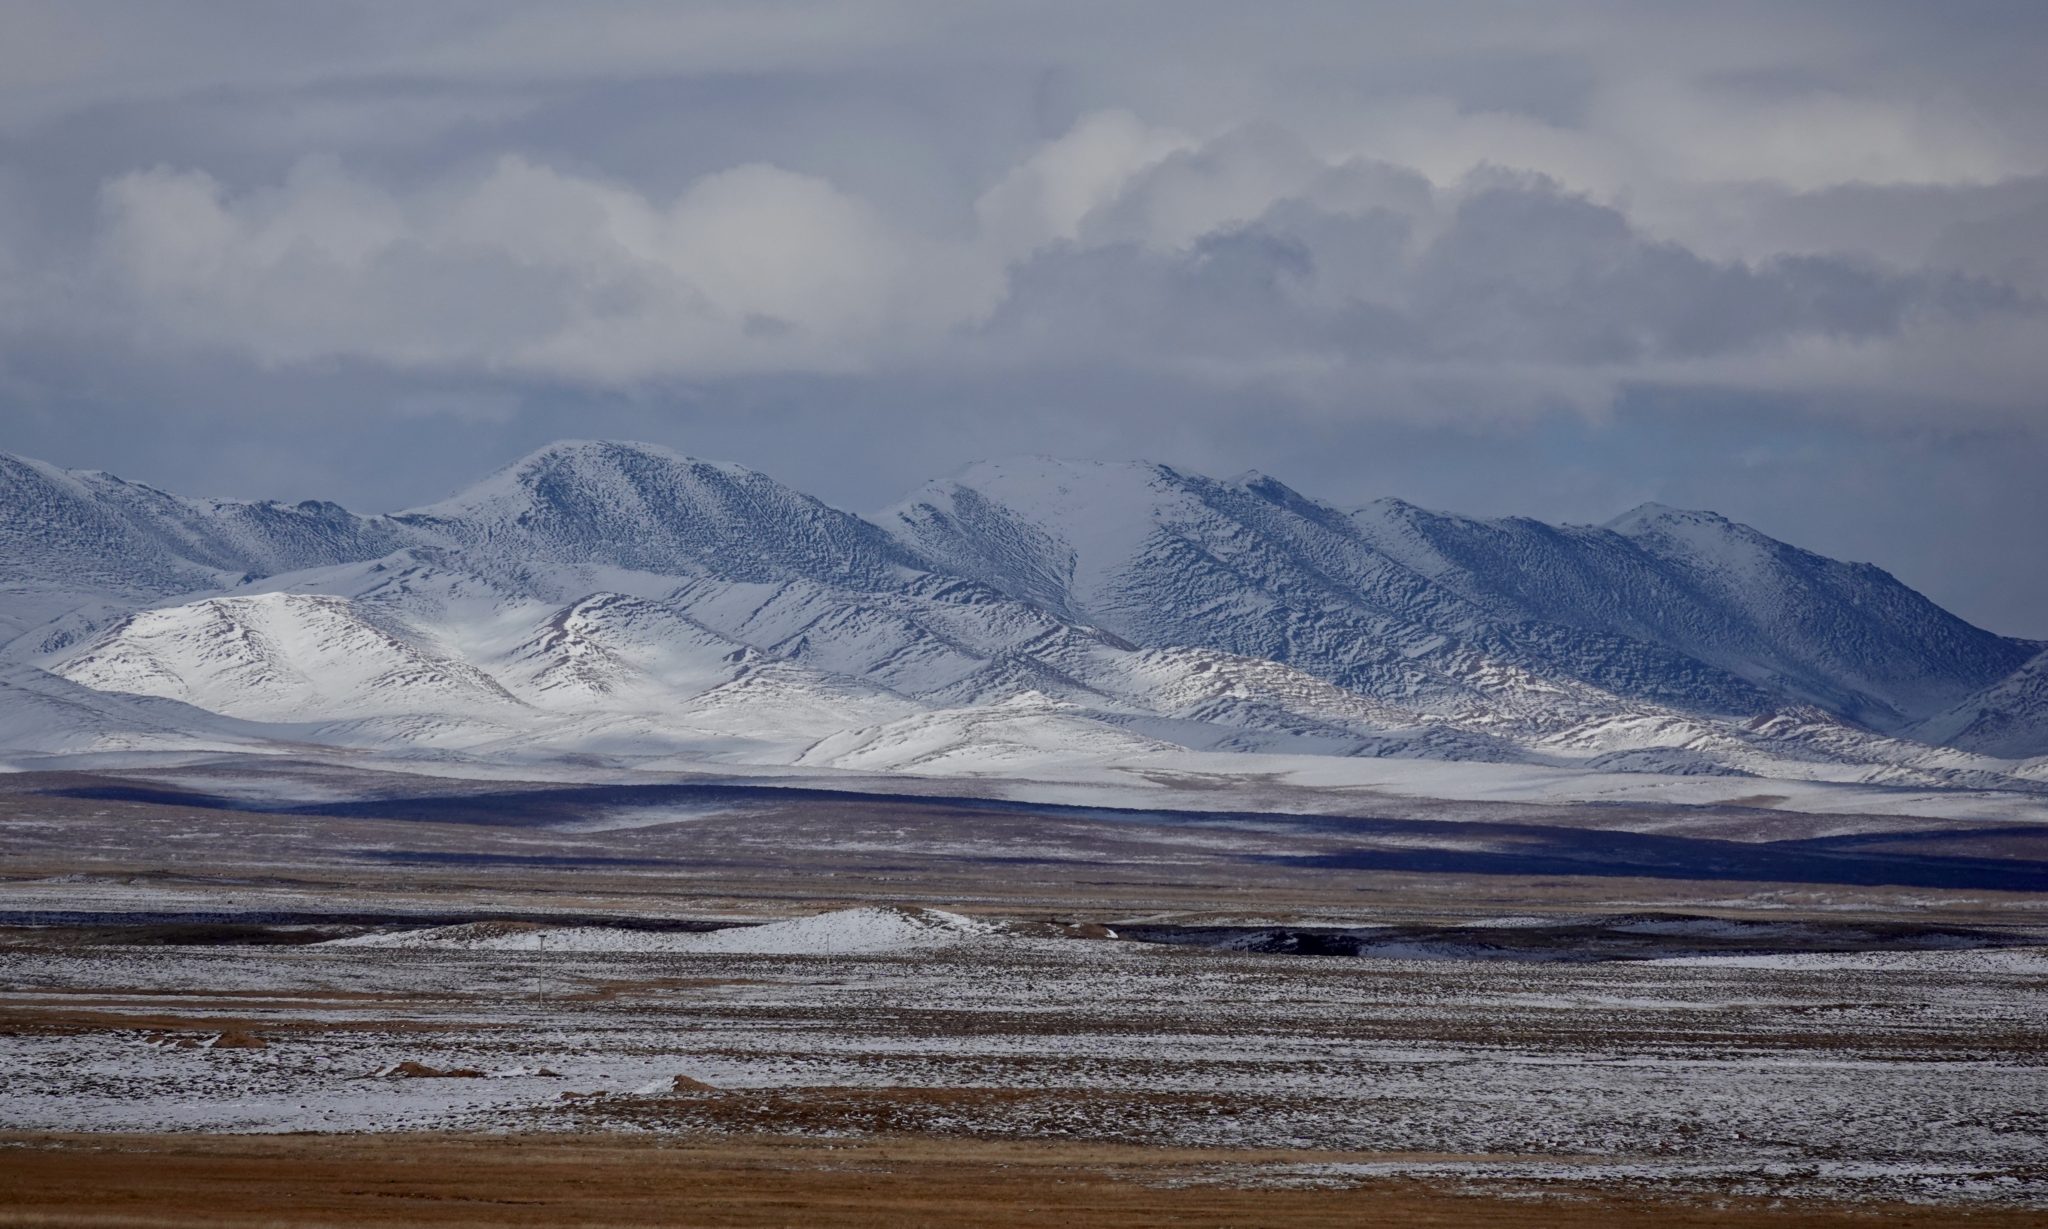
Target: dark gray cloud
(1785,261)
(1517,275)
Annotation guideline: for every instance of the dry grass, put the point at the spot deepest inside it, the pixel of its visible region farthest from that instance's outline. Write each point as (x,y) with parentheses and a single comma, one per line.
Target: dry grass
(304,1181)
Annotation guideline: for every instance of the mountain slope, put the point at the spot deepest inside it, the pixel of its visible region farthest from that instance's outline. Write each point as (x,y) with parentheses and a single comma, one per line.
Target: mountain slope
(1665,608)
(79,549)
(86,530)
(1846,637)
(626,602)
(643,508)
(41,713)
(283,657)
(1251,567)
(2008,718)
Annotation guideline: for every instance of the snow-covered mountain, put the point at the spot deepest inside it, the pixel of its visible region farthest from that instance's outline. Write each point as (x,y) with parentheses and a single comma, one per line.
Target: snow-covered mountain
(89,530)
(623,600)
(41,713)
(585,504)
(1162,558)
(283,657)
(2008,718)
(1660,606)
(80,549)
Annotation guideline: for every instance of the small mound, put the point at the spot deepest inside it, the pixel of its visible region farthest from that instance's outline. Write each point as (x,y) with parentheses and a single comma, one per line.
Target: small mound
(675,1084)
(871,929)
(410,1070)
(868,930)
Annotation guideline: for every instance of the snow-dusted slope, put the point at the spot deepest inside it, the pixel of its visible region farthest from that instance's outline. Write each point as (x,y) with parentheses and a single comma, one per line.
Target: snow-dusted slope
(868,930)
(1025,736)
(41,713)
(88,530)
(78,549)
(1664,608)
(1718,596)
(1029,618)
(284,657)
(1846,636)
(731,554)
(643,508)
(401,651)
(2008,718)
(1249,566)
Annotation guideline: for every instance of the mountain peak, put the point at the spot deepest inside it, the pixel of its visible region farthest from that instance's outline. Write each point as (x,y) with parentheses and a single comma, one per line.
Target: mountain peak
(1393,507)
(647,508)
(594,449)
(591,465)
(1654,515)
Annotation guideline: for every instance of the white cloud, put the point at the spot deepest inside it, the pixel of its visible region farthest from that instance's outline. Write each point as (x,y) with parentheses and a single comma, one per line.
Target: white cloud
(525,266)
(1056,188)
(1244,257)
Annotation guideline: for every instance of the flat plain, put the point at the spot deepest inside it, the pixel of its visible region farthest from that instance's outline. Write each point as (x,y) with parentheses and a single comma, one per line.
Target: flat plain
(328,996)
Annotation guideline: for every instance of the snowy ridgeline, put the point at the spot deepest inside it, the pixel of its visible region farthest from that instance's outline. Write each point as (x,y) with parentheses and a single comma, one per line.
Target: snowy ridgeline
(1032,619)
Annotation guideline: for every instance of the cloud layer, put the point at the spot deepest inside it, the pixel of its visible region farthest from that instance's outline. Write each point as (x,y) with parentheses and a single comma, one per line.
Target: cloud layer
(1242,257)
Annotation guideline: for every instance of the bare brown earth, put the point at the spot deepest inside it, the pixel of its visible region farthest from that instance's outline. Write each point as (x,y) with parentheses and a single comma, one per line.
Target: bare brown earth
(305,1181)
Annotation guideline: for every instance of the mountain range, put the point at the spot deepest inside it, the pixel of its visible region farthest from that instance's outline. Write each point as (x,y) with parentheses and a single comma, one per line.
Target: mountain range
(626,603)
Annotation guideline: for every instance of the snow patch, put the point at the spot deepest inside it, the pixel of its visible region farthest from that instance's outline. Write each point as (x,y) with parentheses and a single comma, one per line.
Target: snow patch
(869,930)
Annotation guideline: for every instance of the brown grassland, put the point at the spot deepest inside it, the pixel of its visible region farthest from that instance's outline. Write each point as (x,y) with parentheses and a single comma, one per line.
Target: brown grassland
(303,1181)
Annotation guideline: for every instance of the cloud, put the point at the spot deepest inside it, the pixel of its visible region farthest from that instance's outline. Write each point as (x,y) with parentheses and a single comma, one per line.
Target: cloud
(1804,138)
(1389,288)
(1525,270)
(322,265)
(527,268)
(1051,192)
(1239,258)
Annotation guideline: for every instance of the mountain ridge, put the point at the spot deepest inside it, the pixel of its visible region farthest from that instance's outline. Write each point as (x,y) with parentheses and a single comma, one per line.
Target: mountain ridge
(629,597)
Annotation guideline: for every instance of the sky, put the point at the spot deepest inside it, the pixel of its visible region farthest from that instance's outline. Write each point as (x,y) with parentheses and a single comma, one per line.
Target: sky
(1788,261)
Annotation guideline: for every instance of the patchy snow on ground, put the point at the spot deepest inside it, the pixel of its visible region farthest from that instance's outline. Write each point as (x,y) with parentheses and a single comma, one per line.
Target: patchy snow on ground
(1905,1077)
(2012,960)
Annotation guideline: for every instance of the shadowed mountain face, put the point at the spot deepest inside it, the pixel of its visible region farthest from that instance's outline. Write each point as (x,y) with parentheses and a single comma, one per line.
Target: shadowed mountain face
(647,509)
(623,600)
(1680,608)
(66,529)
(1847,637)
